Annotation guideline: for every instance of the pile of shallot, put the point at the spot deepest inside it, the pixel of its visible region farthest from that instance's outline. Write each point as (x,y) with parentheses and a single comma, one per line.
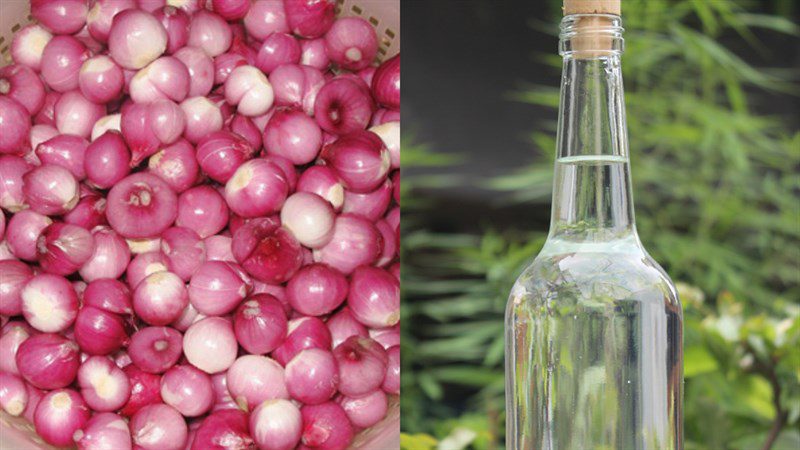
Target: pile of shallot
(200,225)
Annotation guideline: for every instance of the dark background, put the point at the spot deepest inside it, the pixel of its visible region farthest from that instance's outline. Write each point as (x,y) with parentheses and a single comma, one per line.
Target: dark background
(463,61)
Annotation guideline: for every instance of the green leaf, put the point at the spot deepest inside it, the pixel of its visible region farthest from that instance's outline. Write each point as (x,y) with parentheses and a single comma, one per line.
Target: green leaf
(420,441)
(787,440)
(429,385)
(697,361)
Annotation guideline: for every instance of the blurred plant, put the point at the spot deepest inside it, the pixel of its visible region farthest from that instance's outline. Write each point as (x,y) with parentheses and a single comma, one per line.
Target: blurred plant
(716,190)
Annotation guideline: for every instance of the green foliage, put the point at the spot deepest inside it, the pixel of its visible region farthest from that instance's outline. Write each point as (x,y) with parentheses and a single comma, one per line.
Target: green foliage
(716,192)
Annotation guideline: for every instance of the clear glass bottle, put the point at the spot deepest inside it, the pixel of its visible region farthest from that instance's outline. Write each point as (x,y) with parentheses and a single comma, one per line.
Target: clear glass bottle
(594,324)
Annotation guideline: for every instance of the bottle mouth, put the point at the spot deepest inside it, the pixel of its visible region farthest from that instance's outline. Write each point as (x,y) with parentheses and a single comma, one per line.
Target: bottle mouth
(591,35)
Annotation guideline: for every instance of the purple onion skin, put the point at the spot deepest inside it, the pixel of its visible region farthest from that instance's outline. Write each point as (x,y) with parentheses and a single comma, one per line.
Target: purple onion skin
(316,290)
(366,74)
(225,63)
(67,151)
(158,427)
(277,49)
(221,153)
(270,255)
(297,86)
(223,429)
(209,31)
(342,325)
(362,366)
(60,16)
(23,85)
(312,376)
(276,425)
(366,411)
(28,44)
(141,205)
(61,62)
(49,303)
(160,298)
(210,345)
(352,43)
(188,390)
(45,116)
(23,233)
(288,169)
(303,333)
(360,159)
(102,14)
(101,80)
(104,386)
(326,426)
(50,189)
(257,188)
(111,256)
(391,384)
(245,127)
(184,250)
(355,242)
(48,361)
(252,379)
(145,390)
(374,297)
(201,70)
(260,324)
(386,83)
(107,160)
(137,129)
(59,415)
(13,276)
(310,18)
(382,116)
(14,333)
(343,106)
(109,295)
(176,23)
(13,394)
(372,205)
(218,287)
(293,135)
(155,349)
(264,18)
(104,430)
(231,9)
(99,332)
(64,248)
(15,126)
(90,212)
(136,38)
(176,165)
(12,169)
(203,210)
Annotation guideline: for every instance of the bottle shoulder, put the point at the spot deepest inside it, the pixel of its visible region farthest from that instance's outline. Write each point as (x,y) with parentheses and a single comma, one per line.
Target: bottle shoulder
(592,275)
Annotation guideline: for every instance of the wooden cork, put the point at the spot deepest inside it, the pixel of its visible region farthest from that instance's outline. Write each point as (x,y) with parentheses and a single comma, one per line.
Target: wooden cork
(592,7)
(591,44)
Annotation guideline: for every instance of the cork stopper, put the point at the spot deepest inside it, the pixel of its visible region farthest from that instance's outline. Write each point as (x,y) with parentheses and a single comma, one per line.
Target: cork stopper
(592,7)
(591,44)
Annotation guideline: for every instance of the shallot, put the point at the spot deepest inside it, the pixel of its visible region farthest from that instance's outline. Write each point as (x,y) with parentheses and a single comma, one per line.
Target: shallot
(200,224)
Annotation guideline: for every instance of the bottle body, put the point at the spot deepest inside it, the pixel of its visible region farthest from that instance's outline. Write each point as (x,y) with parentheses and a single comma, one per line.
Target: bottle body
(593,326)
(593,351)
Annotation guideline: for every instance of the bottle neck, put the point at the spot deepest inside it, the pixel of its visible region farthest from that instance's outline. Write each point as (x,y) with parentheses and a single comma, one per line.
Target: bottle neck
(592,198)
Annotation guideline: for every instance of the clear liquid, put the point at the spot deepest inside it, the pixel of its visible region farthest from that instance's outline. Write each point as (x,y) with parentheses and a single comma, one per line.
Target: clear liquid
(593,327)
(592,200)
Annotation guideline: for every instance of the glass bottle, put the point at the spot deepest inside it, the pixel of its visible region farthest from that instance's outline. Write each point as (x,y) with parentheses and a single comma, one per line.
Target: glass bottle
(594,324)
